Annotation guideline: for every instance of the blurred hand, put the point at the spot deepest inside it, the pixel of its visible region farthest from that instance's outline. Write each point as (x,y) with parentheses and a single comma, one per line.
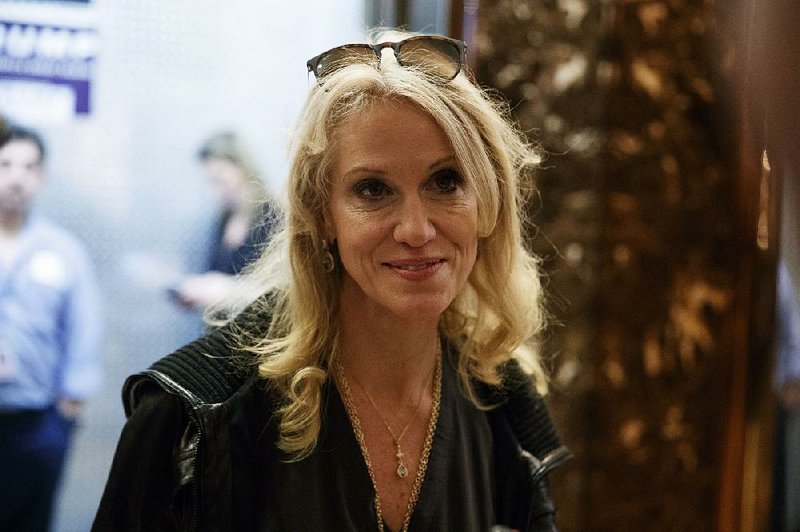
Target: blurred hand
(790,394)
(197,292)
(69,408)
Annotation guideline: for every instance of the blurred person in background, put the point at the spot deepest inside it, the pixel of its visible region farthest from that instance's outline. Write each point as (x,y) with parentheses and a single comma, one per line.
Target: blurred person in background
(386,375)
(787,380)
(50,337)
(245,223)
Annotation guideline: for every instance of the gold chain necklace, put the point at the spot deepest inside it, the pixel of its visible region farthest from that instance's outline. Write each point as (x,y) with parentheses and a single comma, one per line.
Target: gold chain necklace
(402,470)
(352,413)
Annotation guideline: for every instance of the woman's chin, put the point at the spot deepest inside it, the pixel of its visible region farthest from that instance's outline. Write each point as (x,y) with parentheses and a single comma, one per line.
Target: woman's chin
(419,310)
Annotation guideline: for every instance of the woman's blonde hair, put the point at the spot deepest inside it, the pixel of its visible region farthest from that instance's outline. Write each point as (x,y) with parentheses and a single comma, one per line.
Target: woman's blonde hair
(496,316)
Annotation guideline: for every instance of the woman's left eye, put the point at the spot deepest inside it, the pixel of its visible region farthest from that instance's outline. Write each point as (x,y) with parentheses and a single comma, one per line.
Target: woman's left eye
(447,180)
(371,189)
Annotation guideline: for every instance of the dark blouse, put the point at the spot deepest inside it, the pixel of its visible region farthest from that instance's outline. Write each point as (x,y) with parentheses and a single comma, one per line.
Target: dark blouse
(331,489)
(232,260)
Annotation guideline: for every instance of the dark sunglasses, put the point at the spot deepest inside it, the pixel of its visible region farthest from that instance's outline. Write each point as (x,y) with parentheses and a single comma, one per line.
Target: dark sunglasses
(440,57)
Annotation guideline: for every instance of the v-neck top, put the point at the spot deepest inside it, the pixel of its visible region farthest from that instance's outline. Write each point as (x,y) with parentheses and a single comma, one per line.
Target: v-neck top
(331,489)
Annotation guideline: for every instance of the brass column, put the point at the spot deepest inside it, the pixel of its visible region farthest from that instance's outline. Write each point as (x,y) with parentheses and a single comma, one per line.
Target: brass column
(652,195)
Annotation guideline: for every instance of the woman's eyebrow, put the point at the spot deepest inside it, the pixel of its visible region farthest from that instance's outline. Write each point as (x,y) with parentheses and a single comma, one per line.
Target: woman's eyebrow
(445,159)
(364,169)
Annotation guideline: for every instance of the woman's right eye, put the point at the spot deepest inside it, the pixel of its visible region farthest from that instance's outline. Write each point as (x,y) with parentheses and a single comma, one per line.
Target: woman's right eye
(371,189)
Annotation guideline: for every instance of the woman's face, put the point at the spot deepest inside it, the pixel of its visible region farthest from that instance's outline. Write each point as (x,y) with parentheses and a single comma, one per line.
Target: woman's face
(227,180)
(401,213)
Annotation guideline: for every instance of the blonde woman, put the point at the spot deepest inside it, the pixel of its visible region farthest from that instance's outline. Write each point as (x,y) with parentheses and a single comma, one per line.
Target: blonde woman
(245,222)
(385,379)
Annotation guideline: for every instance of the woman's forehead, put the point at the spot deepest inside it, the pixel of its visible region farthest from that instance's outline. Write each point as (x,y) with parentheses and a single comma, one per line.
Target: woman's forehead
(390,135)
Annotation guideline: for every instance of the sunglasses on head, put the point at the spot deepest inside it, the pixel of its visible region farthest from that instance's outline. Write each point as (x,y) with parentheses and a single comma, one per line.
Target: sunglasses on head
(440,57)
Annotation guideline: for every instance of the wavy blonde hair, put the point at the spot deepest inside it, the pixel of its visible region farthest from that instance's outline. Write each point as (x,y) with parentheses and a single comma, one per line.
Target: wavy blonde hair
(494,319)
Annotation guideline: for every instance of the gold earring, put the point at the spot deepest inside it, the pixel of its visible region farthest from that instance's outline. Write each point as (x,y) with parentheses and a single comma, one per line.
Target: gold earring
(327,261)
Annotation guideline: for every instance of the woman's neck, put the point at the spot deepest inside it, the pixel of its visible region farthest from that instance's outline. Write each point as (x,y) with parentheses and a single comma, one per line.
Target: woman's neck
(237,226)
(386,356)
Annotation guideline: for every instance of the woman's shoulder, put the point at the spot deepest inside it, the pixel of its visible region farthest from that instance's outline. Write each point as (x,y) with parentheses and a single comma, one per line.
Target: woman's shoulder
(206,371)
(518,404)
(210,369)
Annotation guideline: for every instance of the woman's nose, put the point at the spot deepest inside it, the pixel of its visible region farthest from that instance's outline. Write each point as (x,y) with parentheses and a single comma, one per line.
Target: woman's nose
(414,226)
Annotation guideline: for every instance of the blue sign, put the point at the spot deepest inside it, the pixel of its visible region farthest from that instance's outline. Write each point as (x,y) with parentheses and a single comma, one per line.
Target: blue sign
(59,57)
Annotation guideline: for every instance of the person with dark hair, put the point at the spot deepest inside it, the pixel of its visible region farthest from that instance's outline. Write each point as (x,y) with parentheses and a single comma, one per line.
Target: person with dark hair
(50,336)
(386,375)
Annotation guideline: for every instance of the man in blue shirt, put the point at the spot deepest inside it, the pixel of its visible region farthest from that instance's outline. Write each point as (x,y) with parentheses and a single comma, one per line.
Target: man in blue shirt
(50,335)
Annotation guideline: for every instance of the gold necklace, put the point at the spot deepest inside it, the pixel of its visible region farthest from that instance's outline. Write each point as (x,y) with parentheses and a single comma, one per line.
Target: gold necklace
(352,413)
(402,470)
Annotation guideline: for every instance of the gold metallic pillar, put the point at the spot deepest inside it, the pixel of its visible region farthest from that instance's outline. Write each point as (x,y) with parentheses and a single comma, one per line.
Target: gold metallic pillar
(652,196)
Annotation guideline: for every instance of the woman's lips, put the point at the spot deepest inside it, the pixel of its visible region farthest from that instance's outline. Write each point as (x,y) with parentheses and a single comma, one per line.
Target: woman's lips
(415,270)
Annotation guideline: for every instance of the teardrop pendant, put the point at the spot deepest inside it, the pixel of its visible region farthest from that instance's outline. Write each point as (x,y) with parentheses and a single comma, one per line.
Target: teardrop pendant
(402,471)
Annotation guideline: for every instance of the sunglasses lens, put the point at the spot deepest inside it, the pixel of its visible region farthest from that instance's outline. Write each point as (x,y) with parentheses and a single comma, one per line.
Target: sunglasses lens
(343,56)
(434,56)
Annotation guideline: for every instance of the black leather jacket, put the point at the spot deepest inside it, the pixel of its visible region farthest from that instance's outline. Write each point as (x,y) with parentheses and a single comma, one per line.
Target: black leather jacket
(172,468)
